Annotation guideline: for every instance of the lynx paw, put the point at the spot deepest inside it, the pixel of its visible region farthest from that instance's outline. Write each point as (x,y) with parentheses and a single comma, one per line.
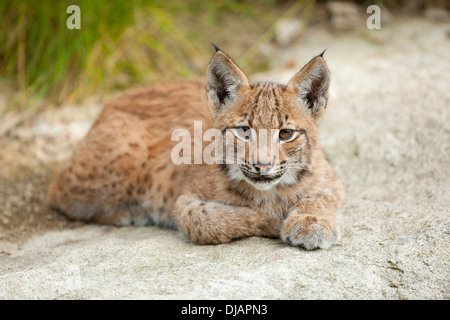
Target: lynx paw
(310,232)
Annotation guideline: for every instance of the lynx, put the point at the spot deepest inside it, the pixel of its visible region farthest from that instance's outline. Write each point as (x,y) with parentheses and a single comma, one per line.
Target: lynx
(121,173)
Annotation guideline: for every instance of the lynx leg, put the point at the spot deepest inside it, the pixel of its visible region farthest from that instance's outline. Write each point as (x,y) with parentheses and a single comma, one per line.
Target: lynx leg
(215,223)
(312,224)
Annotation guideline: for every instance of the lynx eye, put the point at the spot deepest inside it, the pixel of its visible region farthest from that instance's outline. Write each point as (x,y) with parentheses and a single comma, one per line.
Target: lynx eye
(243,132)
(286,134)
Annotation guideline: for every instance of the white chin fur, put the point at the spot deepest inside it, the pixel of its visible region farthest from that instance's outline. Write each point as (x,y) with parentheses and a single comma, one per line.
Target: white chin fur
(262,186)
(236,174)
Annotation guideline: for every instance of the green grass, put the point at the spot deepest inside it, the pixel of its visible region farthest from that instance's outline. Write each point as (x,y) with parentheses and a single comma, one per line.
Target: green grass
(124,43)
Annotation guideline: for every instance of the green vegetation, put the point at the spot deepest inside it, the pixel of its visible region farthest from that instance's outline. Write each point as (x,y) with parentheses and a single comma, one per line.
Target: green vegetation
(124,43)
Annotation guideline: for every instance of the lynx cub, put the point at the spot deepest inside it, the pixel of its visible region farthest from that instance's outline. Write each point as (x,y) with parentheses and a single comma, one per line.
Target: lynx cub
(122,172)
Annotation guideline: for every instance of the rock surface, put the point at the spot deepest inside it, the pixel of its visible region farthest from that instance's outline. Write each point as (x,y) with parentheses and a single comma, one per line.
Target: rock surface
(344,15)
(386,133)
(287,30)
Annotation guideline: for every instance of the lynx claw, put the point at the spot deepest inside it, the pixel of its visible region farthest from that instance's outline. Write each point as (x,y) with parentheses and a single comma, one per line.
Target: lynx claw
(310,232)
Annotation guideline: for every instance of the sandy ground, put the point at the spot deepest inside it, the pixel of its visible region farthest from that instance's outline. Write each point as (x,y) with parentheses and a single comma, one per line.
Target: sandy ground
(386,133)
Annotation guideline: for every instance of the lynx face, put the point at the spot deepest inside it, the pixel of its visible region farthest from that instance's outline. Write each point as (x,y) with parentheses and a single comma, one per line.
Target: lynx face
(268,129)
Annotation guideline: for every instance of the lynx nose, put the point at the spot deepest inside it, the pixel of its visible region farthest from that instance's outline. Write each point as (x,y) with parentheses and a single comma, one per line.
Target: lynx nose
(262,168)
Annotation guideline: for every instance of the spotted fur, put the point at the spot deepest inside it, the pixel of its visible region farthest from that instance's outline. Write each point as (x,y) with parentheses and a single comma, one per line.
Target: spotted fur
(121,173)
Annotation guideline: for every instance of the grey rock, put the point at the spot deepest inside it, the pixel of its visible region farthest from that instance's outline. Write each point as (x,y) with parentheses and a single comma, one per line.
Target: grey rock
(436,14)
(287,30)
(344,15)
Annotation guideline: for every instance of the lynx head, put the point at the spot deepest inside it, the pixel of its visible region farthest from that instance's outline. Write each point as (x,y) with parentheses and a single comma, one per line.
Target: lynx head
(269,129)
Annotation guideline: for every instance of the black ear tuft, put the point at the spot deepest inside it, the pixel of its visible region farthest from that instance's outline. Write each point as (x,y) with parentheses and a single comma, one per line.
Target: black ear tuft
(216,47)
(321,55)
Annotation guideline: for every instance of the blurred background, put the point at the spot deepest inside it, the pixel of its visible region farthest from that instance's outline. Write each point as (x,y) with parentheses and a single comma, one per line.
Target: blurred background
(128,43)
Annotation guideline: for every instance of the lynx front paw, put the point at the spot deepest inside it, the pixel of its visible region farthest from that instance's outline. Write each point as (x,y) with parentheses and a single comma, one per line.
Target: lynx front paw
(310,232)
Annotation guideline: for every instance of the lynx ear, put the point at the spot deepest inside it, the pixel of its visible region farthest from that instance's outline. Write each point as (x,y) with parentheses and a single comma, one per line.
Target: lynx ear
(224,79)
(311,84)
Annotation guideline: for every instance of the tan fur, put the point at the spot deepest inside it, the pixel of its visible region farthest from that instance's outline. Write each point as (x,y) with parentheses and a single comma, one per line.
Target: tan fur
(122,172)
